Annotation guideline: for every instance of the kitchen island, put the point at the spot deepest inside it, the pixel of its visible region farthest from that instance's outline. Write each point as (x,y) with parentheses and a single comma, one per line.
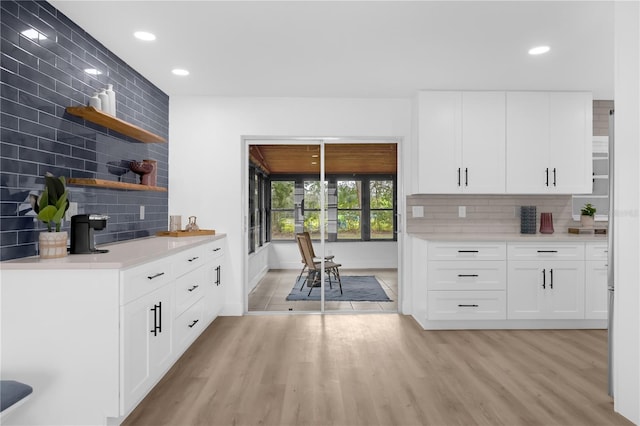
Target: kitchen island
(92,334)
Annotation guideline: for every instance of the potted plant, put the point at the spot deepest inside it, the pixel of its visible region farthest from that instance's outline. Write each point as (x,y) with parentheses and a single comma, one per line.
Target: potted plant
(50,208)
(587,216)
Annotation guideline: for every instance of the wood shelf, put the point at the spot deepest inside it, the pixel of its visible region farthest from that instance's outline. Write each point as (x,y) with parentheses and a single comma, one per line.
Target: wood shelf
(110,122)
(102,183)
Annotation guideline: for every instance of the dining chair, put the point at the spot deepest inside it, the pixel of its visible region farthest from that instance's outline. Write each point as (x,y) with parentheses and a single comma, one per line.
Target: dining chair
(314,268)
(316,259)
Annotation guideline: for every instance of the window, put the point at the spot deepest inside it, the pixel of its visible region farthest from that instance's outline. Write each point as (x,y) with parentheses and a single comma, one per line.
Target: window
(381,207)
(282,210)
(349,209)
(258,229)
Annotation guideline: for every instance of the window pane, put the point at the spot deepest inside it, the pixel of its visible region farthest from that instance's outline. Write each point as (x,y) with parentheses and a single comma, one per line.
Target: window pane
(381,194)
(312,195)
(349,225)
(381,224)
(282,225)
(282,194)
(349,192)
(312,224)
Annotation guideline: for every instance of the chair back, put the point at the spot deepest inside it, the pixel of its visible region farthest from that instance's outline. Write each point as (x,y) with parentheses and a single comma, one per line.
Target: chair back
(305,251)
(307,236)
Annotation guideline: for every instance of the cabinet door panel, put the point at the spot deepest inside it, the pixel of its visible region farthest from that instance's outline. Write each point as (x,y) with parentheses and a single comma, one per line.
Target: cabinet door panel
(483,142)
(525,295)
(439,138)
(596,293)
(527,142)
(160,345)
(565,293)
(137,320)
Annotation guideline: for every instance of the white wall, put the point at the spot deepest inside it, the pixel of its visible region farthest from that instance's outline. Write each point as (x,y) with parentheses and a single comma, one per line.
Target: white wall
(626,211)
(351,255)
(206,153)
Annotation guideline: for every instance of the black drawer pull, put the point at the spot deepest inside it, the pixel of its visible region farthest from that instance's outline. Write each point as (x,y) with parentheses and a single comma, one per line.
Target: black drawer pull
(468,251)
(193,323)
(192,259)
(467,275)
(544,278)
(193,288)
(468,306)
(216,249)
(159,274)
(547,251)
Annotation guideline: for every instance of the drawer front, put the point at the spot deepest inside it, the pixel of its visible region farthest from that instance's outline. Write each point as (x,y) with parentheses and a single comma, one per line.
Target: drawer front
(213,250)
(143,279)
(555,251)
(467,305)
(189,288)
(187,327)
(466,251)
(489,275)
(189,260)
(596,251)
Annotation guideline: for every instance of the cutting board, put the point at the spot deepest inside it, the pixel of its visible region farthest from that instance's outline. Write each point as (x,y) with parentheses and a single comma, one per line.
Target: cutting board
(186,233)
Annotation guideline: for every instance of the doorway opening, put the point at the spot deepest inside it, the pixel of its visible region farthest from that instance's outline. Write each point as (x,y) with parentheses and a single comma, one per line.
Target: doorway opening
(341,193)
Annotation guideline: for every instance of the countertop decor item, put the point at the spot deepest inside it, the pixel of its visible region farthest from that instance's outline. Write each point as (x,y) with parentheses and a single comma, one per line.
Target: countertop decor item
(587,214)
(546,223)
(142,169)
(118,168)
(153,175)
(192,225)
(175,223)
(50,208)
(527,219)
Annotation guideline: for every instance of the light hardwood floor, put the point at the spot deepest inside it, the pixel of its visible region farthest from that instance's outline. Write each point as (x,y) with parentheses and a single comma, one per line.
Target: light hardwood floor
(364,369)
(271,292)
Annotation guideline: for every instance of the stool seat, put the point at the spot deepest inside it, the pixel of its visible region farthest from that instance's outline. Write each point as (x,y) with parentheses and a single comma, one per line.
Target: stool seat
(12,392)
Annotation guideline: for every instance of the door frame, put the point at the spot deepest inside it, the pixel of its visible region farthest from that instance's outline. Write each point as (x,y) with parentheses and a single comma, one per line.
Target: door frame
(248,140)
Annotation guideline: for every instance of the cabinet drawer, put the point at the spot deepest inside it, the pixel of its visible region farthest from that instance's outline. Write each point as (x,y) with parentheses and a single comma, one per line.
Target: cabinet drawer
(187,327)
(189,288)
(138,281)
(466,251)
(555,251)
(489,275)
(213,250)
(596,251)
(467,305)
(189,260)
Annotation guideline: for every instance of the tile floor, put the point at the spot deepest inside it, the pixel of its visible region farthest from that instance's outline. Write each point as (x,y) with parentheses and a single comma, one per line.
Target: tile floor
(271,292)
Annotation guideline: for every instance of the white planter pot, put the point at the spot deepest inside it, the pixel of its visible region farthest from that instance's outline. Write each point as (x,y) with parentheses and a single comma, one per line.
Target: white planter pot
(586,221)
(53,244)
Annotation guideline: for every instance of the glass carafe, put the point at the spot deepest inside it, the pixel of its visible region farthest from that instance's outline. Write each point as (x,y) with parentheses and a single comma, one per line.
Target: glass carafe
(192,226)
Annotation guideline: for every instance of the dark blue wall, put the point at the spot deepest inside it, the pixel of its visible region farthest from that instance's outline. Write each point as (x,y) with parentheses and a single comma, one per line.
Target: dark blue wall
(40,78)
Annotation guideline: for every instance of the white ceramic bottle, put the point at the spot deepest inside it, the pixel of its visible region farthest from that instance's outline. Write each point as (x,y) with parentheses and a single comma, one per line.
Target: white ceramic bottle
(94,101)
(112,99)
(104,99)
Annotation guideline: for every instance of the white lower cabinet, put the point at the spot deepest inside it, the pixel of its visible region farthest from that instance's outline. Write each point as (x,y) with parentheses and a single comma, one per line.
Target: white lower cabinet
(596,292)
(467,305)
(214,293)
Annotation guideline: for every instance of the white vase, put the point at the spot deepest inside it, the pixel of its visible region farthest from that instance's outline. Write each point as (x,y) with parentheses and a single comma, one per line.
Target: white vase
(52,245)
(95,102)
(586,221)
(112,99)
(104,100)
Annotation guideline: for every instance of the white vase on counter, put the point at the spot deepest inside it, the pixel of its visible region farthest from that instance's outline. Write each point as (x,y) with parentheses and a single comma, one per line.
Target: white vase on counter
(112,99)
(52,245)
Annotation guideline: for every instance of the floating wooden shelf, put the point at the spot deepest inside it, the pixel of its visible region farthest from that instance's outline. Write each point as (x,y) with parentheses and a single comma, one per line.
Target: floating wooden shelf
(110,122)
(102,183)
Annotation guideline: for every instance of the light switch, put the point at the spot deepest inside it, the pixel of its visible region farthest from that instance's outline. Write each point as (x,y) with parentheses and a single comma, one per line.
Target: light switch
(141,212)
(462,211)
(417,211)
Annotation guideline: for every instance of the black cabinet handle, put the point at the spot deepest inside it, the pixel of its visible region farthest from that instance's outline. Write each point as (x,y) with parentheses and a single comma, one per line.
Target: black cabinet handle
(544,278)
(193,323)
(159,274)
(157,318)
(468,306)
(467,275)
(554,176)
(467,251)
(547,174)
(551,273)
(547,251)
(216,249)
(192,259)
(466,177)
(193,288)
(218,268)
(458,176)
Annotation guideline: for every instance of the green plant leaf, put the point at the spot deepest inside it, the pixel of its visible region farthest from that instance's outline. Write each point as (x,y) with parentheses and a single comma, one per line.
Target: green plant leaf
(43,201)
(47,213)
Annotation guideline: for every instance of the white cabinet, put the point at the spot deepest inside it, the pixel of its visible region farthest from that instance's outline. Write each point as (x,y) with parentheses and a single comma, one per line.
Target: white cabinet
(596,293)
(545,281)
(549,142)
(147,343)
(214,281)
(461,142)
(466,281)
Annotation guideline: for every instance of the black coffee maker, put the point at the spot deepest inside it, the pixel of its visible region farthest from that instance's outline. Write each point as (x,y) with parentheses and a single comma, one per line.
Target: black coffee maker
(82,232)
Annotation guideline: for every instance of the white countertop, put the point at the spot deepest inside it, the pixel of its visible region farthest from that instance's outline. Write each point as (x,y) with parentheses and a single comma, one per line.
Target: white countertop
(556,237)
(123,254)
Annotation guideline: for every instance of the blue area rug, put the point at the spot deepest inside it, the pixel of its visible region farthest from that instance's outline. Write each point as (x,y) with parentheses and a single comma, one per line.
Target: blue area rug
(354,288)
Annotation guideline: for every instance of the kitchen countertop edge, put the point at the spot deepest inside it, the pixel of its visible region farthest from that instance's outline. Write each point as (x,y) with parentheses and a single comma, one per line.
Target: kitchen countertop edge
(537,238)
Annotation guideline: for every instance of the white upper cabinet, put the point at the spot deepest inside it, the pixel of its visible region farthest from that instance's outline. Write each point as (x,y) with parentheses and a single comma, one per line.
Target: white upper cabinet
(461,142)
(549,142)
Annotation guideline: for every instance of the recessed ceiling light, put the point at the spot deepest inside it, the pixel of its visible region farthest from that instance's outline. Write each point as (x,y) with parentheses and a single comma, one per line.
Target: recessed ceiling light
(92,71)
(539,50)
(314,163)
(179,71)
(143,35)
(33,34)
(314,156)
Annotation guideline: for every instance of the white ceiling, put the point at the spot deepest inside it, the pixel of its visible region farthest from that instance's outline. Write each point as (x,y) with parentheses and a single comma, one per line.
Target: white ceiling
(357,48)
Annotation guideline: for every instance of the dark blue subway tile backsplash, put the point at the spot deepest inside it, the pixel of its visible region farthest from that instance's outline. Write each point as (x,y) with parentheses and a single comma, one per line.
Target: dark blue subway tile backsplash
(39,80)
